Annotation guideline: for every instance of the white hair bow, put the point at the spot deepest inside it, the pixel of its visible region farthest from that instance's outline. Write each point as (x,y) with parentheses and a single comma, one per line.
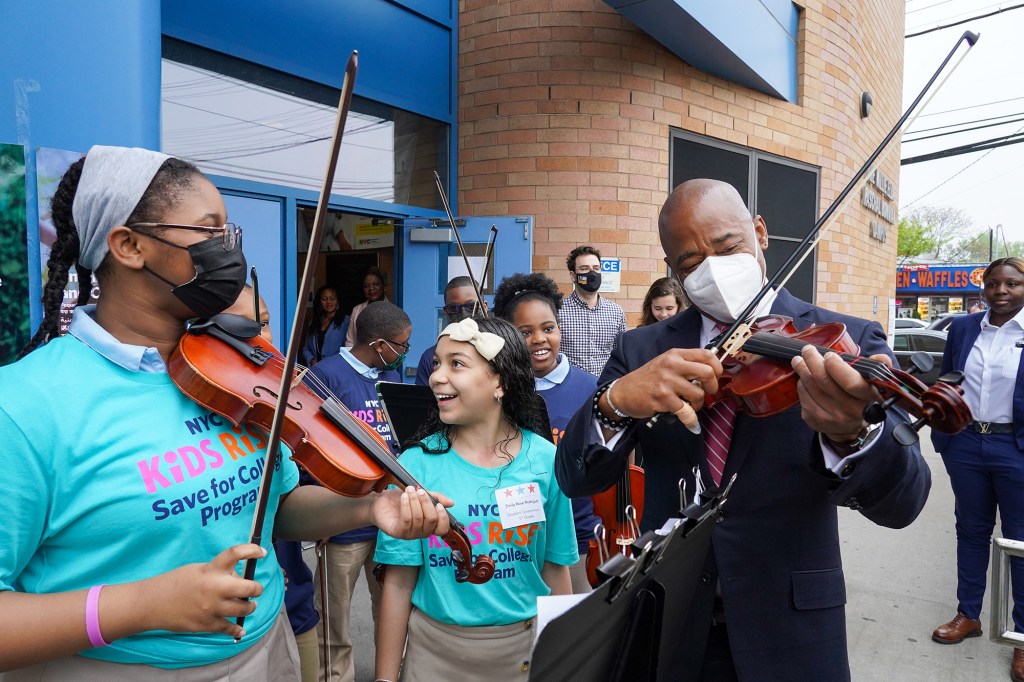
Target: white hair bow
(467,330)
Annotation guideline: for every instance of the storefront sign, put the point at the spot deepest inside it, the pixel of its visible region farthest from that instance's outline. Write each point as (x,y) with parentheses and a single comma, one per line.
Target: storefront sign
(916,279)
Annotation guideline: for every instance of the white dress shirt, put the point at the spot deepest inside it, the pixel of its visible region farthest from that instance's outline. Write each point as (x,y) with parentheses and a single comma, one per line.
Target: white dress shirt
(990,374)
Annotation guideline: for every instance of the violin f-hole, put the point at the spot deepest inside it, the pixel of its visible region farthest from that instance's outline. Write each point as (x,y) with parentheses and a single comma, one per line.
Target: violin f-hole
(256,392)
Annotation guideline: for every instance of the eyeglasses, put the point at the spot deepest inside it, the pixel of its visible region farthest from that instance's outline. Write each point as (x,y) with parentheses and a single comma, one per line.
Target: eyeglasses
(230,233)
(456,308)
(404,346)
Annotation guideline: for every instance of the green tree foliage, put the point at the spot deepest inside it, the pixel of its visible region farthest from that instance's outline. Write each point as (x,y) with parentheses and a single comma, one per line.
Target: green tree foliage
(14,323)
(914,239)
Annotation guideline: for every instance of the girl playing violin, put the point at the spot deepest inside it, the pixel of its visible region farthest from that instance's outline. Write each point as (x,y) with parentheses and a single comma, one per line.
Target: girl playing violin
(482,443)
(124,500)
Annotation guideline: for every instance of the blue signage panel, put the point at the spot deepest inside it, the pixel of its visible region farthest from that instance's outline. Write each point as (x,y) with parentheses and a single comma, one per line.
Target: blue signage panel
(939,279)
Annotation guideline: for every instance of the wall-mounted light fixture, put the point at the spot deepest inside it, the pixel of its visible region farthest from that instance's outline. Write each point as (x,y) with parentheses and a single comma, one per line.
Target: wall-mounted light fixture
(865,104)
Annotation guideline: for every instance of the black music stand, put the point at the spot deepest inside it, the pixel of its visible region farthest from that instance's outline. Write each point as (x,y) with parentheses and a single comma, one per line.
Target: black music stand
(405,407)
(630,627)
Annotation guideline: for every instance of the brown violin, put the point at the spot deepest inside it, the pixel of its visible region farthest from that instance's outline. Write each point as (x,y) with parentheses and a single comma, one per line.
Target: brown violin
(761,381)
(225,366)
(620,507)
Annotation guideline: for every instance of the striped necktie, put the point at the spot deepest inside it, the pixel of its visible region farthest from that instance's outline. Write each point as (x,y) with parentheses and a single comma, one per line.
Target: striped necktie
(717,422)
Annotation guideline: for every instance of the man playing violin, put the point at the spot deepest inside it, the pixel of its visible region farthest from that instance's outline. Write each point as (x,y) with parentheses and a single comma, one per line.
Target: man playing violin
(771,600)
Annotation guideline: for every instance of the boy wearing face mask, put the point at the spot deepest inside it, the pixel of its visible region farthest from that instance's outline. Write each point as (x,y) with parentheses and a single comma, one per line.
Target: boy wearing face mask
(351,375)
(770,601)
(590,323)
(459,303)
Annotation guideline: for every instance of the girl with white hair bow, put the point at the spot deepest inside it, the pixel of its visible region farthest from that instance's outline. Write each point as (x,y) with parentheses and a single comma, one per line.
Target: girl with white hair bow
(486,446)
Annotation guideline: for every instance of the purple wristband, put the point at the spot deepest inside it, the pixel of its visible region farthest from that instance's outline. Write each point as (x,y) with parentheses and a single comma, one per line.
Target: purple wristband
(92,617)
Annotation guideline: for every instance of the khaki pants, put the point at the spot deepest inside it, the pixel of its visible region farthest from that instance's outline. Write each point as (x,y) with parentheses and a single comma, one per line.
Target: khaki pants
(272,659)
(439,651)
(344,564)
(309,655)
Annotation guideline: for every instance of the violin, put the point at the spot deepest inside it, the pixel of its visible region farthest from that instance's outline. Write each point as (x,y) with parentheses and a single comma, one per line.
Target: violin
(225,366)
(762,382)
(620,507)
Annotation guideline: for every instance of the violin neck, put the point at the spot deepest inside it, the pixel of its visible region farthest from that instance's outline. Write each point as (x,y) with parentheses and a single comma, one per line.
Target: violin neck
(346,421)
(784,348)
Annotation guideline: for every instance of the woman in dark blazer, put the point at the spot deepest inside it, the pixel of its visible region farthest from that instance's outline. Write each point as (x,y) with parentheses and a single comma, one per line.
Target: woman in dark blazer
(986,460)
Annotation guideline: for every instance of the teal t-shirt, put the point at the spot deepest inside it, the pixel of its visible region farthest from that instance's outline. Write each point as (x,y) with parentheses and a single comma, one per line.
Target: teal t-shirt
(111,476)
(519,553)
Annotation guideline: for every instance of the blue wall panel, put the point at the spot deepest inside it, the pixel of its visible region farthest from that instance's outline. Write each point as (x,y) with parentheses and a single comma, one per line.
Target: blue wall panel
(405,60)
(74,74)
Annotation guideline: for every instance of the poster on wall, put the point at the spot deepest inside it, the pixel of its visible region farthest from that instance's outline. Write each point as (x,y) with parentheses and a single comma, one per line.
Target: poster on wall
(14,321)
(50,167)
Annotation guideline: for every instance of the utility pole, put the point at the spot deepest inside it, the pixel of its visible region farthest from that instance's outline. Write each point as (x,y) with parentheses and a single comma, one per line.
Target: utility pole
(990,245)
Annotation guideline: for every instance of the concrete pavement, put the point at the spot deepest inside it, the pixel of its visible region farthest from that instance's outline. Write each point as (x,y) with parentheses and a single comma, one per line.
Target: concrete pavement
(900,585)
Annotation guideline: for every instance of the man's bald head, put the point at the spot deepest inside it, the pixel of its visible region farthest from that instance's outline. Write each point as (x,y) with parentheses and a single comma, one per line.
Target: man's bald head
(700,197)
(704,218)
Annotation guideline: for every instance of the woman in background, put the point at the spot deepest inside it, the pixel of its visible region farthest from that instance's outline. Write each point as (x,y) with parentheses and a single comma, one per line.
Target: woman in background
(663,300)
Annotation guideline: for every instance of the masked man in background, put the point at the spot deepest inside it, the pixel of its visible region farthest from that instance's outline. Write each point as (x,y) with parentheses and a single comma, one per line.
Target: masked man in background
(590,323)
(770,604)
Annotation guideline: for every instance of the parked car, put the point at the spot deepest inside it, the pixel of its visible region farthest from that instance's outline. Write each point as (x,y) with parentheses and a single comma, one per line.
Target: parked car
(906,342)
(942,322)
(910,323)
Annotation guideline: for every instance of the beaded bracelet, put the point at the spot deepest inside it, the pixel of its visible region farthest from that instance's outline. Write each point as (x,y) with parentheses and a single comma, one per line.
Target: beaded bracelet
(605,421)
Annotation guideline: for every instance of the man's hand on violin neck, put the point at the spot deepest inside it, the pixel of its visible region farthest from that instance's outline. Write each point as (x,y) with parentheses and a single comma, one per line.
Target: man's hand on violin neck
(666,383)
(833,394)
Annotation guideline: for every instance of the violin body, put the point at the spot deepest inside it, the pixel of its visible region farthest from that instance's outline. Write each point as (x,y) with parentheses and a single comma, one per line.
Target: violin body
(762,382)
(238,378)
(620,508)
(242,391)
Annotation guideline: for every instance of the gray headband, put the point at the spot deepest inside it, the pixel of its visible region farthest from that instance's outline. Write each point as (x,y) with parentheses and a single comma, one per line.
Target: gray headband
(112,184)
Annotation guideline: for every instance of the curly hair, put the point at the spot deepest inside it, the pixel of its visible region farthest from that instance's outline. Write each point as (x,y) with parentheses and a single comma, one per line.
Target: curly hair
(519,288)
(172,179)
(521,407)
(381,320)
(666,286)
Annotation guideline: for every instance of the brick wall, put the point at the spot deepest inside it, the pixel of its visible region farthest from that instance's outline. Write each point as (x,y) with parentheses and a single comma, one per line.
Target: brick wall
(565,109)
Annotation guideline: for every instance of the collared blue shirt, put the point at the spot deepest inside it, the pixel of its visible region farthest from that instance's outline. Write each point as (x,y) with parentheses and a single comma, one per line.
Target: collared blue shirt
(555,376)
(358,365)
(133,358)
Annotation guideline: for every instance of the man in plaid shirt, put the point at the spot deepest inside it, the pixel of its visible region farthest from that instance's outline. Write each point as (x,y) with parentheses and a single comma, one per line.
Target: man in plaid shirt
(589,322)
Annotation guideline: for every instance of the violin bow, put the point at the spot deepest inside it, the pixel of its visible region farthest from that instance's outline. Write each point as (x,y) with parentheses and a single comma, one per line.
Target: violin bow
(732,338)
(305,285)
(462,248)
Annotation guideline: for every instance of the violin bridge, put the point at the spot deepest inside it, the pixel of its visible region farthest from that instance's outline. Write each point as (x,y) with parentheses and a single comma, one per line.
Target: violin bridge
(734,344)
(299,376)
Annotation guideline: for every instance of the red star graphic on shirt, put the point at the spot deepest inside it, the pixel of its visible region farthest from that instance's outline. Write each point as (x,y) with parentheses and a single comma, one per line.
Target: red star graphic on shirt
(532,487)
(508,493)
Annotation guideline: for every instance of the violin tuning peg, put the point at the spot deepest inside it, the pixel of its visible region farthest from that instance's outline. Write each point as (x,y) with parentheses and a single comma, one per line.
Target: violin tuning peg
(874,413)
(920,363)
(954,378)
(905,434)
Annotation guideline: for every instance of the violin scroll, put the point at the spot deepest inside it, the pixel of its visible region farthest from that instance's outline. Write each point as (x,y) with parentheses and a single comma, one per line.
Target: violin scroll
(482,568)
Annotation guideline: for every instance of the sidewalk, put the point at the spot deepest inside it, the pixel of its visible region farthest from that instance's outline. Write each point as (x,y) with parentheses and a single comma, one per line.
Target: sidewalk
(900,585)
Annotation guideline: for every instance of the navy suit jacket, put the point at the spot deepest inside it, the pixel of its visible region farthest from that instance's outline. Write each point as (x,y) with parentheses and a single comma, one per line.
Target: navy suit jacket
(775,553)
(963,332)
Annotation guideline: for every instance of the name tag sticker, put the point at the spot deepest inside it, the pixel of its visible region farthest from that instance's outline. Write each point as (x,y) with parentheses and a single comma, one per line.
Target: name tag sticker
(519,505)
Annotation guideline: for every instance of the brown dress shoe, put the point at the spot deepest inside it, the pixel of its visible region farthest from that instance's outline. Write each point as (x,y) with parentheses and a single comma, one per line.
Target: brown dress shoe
(958,629)
(1017,666)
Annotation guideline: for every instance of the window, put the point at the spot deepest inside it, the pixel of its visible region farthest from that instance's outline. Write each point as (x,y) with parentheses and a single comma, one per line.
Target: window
(239,119)
(930,344)
(782,191)
(901,342)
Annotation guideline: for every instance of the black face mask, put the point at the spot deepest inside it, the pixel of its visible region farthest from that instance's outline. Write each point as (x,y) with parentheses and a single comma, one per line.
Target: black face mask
(589,281)
(220,277)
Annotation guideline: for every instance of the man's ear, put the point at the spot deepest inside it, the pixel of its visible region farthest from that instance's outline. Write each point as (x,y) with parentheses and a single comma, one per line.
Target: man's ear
(761,231)
(126,248)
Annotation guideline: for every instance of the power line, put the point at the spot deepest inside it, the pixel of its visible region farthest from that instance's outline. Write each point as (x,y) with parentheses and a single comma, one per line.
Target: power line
(962,21)
(992,143)
(973,106)
(953,125)
(921,9)
(962,130)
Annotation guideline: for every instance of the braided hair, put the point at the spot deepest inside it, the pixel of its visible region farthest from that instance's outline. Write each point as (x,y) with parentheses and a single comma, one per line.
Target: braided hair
(519,288)
(521,407)
(170,182)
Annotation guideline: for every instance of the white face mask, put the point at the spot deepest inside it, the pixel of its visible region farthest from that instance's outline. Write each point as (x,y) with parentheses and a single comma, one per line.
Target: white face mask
(722,286)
